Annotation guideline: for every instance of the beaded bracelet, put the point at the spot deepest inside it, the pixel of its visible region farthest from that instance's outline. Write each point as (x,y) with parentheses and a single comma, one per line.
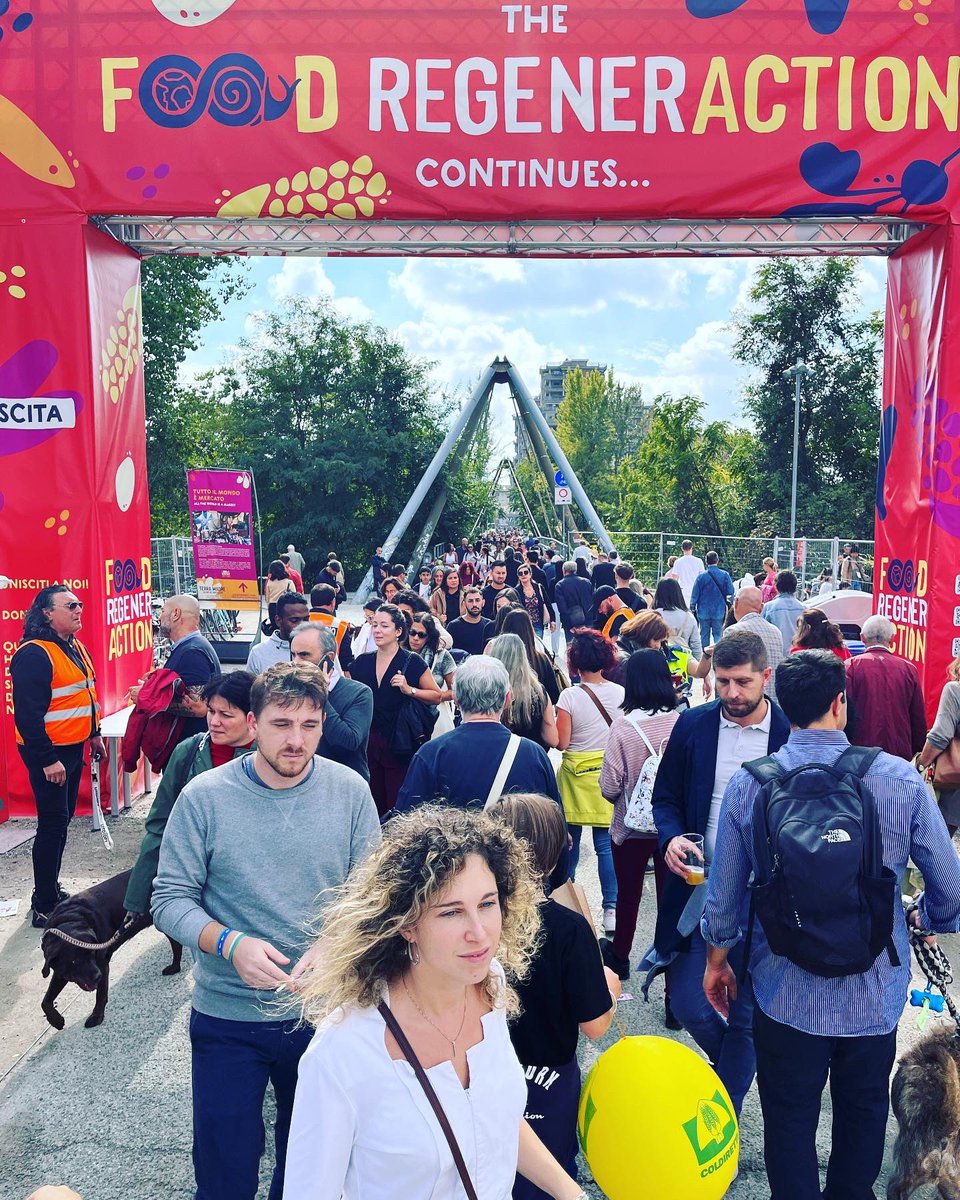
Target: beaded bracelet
(233,945)
(221,940)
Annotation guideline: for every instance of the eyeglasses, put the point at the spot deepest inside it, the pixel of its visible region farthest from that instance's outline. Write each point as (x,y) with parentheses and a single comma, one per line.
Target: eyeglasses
(73,605)
(418,633)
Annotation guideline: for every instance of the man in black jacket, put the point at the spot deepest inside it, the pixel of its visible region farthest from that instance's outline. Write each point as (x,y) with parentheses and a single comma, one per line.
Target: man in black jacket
(348,712)
(574,599)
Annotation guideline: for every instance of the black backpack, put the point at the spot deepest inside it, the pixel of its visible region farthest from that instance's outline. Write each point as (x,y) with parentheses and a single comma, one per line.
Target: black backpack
(821,890)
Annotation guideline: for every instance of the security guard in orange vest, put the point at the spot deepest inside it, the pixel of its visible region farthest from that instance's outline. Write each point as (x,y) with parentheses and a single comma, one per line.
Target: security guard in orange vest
(56,713)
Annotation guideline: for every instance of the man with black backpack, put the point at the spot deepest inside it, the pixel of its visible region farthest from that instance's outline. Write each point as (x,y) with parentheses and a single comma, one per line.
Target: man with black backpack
(826,830)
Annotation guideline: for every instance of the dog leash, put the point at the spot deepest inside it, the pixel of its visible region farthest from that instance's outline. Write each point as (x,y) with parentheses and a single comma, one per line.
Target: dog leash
(936,967)
(72,941)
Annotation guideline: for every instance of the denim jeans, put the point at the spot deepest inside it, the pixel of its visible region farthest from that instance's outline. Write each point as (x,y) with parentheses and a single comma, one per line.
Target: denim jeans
(233,1061)
(710,627)
(601,843)
(56,804)
(728,1044)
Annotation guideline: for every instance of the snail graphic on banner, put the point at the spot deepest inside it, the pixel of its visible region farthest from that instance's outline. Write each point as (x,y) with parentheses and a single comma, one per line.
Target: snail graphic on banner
(175,91)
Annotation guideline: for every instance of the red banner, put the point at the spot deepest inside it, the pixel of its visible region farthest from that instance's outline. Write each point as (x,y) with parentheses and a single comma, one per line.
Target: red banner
(387,110)
(74,507)
(221,523)
(916,580)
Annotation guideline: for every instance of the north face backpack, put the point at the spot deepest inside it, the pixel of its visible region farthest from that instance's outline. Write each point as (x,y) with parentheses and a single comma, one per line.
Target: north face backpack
(823,895)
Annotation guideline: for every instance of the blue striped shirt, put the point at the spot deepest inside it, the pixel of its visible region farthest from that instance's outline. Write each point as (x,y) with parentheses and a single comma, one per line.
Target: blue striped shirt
(912,827)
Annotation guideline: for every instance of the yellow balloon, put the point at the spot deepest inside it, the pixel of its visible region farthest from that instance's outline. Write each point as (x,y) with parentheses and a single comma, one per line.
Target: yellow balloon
(655,1120)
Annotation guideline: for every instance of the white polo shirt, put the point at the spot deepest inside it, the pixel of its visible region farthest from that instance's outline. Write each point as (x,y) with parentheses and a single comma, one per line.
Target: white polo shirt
(736,744)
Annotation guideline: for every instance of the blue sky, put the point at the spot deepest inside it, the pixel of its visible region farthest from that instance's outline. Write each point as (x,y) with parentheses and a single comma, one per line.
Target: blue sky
(661,323)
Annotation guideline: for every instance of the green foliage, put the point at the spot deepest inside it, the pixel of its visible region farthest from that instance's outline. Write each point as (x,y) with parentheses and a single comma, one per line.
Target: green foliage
(180,296)
(687,474)
(599,424)
(803,312)
(335,420)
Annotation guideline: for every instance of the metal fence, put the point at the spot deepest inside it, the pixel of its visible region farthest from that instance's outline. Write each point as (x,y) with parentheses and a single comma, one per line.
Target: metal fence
(650,552)
(173,570)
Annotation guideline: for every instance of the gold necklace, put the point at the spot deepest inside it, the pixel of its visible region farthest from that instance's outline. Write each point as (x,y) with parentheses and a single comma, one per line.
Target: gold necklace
(463,1019)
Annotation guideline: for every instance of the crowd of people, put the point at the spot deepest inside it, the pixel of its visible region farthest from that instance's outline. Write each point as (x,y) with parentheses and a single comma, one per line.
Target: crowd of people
(361,843)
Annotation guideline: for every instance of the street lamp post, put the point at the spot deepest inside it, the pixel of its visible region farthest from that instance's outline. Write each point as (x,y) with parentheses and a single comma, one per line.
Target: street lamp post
(798,371)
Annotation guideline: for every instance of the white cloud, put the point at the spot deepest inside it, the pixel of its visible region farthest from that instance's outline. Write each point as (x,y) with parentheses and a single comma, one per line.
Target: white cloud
(701,365)
(307,278)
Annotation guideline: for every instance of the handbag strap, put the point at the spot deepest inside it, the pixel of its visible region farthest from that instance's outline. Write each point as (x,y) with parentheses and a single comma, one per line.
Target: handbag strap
(496,788)
(596,699)
(408,1053)
(643,737)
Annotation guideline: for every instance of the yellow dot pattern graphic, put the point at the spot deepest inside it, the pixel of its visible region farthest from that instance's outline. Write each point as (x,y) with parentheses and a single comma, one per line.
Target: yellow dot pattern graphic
(60,522)
(907,314)
(10,282)
(346,190)
(911,6)
(120,353)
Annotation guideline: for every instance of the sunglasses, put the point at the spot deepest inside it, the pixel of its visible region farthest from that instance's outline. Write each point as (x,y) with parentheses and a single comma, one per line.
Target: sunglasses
(73,605)
(522,574)
(418,633)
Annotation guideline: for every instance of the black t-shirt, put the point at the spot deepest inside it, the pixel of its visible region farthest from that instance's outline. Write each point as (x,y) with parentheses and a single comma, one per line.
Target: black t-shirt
(386,698)
(453,605)
(631,598)
(471,636)
(490,595)
(566,985)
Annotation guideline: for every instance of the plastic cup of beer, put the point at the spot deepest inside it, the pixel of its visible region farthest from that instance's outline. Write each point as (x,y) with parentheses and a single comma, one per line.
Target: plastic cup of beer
(693,859)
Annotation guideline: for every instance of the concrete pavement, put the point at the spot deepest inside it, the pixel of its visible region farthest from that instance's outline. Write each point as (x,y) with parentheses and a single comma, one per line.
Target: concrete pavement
(108,1110)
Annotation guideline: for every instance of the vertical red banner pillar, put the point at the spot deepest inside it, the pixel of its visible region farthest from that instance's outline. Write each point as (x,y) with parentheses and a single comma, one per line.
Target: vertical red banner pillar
(917,569)
(74,507)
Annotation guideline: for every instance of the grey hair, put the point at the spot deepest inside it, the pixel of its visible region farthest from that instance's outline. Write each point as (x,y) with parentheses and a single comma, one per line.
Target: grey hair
(878,630)
(481,685)
(570,568)
(325,635)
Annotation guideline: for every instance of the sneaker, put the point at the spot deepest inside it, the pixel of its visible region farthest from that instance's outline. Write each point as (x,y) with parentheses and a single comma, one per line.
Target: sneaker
(619,966)
(609,920)
(62,893)
(669,1019)
(39,920)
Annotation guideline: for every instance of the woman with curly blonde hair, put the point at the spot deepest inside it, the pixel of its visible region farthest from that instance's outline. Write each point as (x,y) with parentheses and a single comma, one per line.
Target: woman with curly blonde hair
(430,925)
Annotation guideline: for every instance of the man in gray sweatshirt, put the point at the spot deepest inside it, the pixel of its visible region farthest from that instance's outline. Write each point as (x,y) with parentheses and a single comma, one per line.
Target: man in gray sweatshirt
(247,856)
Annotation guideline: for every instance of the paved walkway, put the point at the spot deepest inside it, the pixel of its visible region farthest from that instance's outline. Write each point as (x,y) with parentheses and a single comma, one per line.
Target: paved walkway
(108,1110)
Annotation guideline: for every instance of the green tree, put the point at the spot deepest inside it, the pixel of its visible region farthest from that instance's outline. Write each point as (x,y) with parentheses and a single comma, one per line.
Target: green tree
(180,296)
(600,423)
(803,310)
(687,474)
(334,419)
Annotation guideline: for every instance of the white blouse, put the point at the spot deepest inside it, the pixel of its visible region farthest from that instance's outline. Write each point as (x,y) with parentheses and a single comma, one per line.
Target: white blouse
(363,1129)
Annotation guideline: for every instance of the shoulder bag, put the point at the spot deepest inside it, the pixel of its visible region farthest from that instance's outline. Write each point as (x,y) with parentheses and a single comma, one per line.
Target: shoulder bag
(588,691)
(409,1054)
(946,767)
(500,779)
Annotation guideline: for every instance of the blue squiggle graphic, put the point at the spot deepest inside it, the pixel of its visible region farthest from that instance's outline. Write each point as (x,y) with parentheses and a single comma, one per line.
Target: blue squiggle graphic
(824,16)
(234,90)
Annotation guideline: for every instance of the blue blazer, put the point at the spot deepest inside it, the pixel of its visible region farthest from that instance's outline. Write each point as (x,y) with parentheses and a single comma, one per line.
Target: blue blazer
(681,799)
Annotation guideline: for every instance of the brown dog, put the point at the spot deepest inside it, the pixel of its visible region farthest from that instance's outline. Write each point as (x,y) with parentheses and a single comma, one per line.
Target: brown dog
(93,918)
(926,1102)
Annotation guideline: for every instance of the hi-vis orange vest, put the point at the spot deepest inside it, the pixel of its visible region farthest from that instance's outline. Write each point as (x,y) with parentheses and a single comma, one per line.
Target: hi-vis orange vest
(73,712)
(325,618)
(627,613)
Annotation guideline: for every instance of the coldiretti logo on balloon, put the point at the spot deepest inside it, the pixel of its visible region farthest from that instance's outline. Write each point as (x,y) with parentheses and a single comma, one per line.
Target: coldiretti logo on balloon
(712,1133)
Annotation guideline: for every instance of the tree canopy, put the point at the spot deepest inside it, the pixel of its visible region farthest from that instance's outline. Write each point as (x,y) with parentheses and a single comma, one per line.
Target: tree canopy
(802,310)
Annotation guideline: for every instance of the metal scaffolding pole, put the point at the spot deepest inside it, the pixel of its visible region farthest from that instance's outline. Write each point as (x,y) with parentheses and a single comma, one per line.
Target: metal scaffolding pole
(436,509)
(535,416)
(481,396)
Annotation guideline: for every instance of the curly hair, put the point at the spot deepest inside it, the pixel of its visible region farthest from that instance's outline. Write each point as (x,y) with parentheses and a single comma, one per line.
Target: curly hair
(36,624)
(588,650)
(421,853)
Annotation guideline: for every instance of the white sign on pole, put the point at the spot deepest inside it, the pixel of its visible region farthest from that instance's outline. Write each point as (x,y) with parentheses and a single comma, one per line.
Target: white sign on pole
(562,495)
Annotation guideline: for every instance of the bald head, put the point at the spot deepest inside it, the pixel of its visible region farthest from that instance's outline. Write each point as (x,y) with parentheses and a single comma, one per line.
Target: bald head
(747,600)
(179,616)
